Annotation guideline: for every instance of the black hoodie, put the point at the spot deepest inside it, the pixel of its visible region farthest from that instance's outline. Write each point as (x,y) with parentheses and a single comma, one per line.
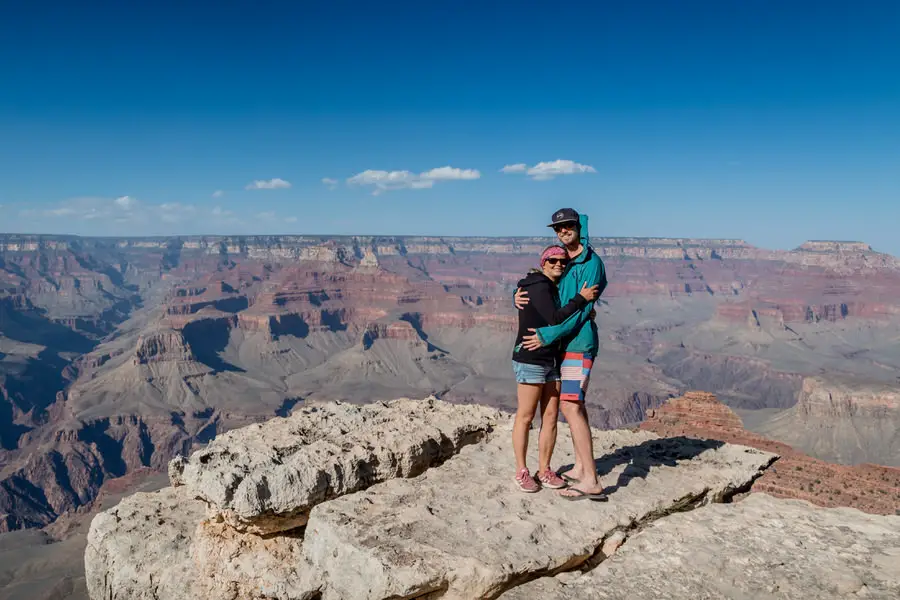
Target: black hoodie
(542,309)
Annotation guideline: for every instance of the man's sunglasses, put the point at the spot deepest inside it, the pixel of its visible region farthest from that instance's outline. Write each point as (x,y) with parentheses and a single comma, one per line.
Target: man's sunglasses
(560,226)
(558,261)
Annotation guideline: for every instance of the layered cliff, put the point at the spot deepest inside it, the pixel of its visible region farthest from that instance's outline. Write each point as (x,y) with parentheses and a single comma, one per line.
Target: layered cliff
(843,420)
(868,487)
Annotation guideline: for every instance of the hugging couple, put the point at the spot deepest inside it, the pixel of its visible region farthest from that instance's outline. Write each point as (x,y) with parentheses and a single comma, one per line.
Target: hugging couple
(554,352)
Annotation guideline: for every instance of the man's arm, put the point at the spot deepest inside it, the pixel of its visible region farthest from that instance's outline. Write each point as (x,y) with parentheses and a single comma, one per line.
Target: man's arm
(545,305)
(594,274)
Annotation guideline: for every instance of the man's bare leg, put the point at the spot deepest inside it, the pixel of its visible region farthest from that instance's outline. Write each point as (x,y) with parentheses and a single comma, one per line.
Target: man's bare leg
(576,415)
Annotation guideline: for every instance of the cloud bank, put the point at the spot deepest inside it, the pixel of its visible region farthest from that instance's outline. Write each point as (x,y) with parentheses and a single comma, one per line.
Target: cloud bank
(544,171)
(386,181)
(268,184)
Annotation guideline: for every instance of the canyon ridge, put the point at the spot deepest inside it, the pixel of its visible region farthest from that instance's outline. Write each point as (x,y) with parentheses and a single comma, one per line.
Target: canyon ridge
(117,355)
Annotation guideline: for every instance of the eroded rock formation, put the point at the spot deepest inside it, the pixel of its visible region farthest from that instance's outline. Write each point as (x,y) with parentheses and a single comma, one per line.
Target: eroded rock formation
(844,420)
(457,530)
(868,487)
(266,478)
(760,547)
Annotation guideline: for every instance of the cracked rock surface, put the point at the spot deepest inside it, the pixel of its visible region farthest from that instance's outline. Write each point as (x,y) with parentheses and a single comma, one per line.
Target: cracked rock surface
(140,549)
(761,547)
(264,478)
(463,531)
(460,529)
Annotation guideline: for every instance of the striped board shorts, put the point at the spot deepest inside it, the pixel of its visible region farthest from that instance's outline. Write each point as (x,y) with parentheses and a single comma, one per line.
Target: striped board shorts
(575,373)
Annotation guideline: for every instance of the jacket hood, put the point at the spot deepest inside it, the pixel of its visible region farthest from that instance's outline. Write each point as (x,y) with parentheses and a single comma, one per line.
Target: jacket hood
(534,277)
(584,239)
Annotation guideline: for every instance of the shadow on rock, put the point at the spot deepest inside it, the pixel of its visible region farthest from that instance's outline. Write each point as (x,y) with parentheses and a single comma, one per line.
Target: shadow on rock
(640,459)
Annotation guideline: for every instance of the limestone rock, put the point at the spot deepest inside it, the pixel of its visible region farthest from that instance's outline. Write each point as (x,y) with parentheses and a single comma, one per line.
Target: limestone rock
(458,530)
(761,547)
(266,477)
(462,531)
(140,550)
(231,565)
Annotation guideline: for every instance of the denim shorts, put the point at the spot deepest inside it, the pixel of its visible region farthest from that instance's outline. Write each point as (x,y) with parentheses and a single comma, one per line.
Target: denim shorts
(526,373)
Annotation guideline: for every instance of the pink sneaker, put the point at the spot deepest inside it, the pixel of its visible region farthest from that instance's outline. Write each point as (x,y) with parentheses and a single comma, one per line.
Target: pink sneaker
(526,482)
(551,480)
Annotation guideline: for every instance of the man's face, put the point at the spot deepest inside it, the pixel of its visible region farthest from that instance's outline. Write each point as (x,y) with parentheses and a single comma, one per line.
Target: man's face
(567,232)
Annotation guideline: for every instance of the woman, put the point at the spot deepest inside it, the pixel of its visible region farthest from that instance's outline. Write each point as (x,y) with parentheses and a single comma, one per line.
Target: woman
(537,371)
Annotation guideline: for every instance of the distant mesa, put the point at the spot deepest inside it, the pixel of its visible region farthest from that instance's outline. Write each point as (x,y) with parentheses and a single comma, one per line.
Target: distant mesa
(834,247)
(867,487)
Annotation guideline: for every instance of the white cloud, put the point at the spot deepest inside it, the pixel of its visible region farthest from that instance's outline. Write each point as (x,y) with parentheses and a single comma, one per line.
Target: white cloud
(268,184)
(291,220)
(218,194)
(450,173)
(516,168)
(385,181)
(544,171)
(218,211)
(266,215)
(126,202)
(176,206)
(331,183)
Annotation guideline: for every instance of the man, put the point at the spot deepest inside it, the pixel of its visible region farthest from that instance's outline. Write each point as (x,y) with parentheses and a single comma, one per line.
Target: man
(580,343)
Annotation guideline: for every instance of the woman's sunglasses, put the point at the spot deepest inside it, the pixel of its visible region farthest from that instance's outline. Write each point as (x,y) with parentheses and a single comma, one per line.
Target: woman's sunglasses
(558,261)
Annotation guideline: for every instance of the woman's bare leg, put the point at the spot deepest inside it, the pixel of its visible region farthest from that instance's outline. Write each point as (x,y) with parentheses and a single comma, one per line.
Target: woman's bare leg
(529,394)
(549,416)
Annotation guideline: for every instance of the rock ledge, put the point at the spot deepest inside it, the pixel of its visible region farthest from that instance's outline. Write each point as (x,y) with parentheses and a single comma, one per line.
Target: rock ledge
(407,499)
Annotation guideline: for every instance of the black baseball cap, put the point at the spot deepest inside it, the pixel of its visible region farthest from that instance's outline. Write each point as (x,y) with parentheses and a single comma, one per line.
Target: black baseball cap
(563,215)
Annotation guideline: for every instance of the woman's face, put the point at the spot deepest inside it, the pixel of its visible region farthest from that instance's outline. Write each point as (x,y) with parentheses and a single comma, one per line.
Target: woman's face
(554,267)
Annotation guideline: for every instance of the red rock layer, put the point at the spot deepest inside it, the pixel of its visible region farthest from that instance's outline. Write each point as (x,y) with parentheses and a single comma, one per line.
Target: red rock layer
(870,488)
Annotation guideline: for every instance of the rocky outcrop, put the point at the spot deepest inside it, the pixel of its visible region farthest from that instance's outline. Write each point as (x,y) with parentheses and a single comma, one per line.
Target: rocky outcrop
(414,538)
(157,527)
(871,488)
(161,346)
(760,547)
(694,411)
(456,530)
(266,478)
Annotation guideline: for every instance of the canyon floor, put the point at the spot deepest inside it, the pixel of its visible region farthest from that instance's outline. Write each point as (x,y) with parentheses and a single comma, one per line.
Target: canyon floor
(118,354)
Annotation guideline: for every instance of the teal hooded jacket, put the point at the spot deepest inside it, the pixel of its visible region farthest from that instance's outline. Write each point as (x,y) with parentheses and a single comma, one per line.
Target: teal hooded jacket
(579,332)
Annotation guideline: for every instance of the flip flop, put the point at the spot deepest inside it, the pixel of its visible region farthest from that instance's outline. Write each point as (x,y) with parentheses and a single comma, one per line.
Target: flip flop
(569,479)
(582,495)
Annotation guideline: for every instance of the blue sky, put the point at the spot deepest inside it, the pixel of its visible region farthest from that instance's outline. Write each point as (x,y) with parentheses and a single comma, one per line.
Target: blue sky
(770,121)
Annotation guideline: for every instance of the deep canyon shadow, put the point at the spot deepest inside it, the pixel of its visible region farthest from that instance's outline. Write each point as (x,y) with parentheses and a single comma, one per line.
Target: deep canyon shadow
(207,338)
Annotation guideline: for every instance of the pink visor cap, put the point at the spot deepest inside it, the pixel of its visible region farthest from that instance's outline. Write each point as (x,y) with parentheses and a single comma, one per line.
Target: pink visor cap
(553,251)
